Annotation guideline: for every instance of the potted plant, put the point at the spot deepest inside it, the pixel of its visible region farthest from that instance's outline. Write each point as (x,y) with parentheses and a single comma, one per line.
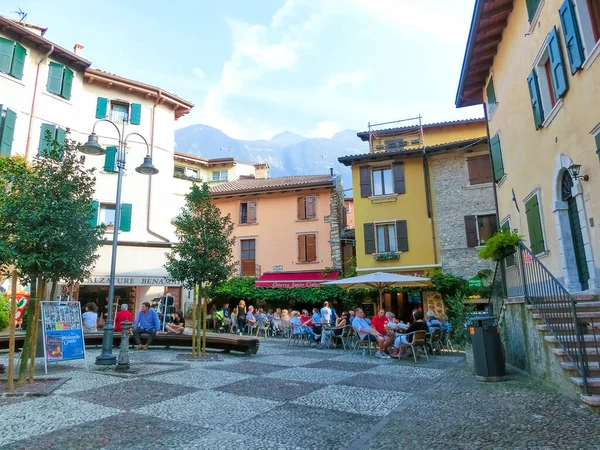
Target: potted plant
(386,256)
(500,245)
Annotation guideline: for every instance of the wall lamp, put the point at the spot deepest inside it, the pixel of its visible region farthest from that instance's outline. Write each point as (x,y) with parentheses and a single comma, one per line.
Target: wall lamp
(574,171)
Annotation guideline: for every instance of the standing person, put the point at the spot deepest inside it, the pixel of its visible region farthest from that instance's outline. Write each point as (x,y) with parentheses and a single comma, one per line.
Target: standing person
(90,318)
(122,316)
(145,322)
(233,320)
(325,323)
(241,316)
(326,313)
(334,316)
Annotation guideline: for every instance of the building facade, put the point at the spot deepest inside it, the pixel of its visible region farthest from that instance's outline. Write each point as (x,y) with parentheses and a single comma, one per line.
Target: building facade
(533,65)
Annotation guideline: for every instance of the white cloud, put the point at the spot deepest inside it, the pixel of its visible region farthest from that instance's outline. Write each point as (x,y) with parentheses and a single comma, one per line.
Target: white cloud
(199,73)
(325,129)
(353,79)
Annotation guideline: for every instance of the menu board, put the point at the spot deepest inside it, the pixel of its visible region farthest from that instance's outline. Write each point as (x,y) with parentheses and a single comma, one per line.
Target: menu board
(63,331)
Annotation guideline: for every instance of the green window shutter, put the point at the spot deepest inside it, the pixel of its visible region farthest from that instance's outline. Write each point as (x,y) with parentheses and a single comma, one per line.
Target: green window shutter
(55,78)
(94,214)
(597,140)
(18,61)
(532,6)
(67,84)
(101,107)
(497,162)
(125,224)
(6,54)
(572,36)
(491,93)
(536,103)
(110,159)
(534,223)
(61,134)
(45,145)
(7,132)
(135,115)
(369,230)
(559,76)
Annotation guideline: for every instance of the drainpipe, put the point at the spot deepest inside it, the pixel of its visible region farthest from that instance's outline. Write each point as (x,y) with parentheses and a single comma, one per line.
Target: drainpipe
(35,87)
(156,235)
(429,204)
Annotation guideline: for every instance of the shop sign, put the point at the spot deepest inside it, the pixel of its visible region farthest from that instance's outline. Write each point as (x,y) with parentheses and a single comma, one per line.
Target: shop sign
(277,269)
(475,282)
(132,281)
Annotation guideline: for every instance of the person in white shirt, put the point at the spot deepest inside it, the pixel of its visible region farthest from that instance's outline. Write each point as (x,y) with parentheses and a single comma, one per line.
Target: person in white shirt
(366,333)
(325,321)
(90,318)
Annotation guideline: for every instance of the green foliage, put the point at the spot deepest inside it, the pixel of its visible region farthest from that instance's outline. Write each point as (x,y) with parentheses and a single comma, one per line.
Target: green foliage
(458,312)
(448,285)
(4,311)
(203,253)
(498,244)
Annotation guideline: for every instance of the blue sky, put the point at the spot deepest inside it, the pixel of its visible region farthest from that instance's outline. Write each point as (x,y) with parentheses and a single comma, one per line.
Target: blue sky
(256,68)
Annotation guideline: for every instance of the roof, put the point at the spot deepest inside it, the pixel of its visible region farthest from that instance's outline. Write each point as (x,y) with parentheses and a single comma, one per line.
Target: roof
(415,153)
(203,161)
(487,25)
(279,184)
(42,44)
(364,135)
(179,105)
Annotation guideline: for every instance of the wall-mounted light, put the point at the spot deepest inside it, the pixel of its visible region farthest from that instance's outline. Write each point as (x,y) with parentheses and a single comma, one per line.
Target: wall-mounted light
(574,171)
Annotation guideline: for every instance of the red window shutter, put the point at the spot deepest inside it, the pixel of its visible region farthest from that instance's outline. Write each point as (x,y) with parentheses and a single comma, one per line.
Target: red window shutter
(302,247)
(251,212)
(301,208)
(471,229)
(311,207)
(311,247)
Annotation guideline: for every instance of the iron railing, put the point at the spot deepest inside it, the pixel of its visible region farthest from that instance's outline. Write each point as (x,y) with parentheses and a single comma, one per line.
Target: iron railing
(522,275)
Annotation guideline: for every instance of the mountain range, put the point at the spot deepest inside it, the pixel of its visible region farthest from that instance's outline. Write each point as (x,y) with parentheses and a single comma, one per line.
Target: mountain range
(286,153)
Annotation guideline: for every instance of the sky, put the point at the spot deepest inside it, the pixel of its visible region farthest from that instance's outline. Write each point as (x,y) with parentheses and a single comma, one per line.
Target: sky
(257,68)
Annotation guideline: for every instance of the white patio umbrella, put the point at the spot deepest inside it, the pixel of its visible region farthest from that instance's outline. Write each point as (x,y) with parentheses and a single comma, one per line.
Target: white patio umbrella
(380,281)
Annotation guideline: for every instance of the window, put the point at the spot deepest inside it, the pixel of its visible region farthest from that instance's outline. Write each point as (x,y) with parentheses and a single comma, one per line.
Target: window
(220,176)
(8,119)
(179,170)
(104,213)
(386,237)
(119,112)
(12,58)
(248,212)
(498,164)
(580,21)
(532,6)
(60,80)
(534,223)
(480,228)
(48,135)
(491,97)
(307,247)
(547,81)
(191,173)
(382,180)
(107,216)
(307,208)
(186,173)
(597,141)
(480,169)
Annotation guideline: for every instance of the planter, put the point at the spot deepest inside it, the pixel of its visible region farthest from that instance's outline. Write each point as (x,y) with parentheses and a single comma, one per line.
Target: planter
(388,256)
(505,252)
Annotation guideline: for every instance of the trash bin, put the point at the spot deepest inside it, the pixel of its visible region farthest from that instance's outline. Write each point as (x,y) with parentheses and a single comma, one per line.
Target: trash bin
(488,354)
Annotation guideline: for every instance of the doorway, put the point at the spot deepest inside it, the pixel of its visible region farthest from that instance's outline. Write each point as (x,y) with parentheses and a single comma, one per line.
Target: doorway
(248,259)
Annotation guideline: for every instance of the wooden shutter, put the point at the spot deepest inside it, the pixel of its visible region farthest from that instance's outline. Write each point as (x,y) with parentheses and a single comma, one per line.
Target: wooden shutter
(6,54)
(572,37)
(401,236)
(94,214)
(369,231)
(365,181)
(135,115)
(101,107)
(110,159)
(18,61)
(67,84)
(125,224)
(536,100)
(532,6)
(302,247)
(534,223)
(311,247)
(559,75)
(398,175)
(498,165)
(490,93)
(251,212)
(55,77)
(45,145)
(7,132)
(301,208)
(471,229)
(480,169)
(311,210)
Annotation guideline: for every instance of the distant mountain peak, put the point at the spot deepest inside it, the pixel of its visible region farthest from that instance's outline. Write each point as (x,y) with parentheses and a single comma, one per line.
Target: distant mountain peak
(287,138)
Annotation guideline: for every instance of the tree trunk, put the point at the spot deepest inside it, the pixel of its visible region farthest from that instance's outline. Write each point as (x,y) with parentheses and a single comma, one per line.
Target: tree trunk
(198,325)
(34,333)
(10,383)
(204,306)
(195,321)
(53,290)
(29,324)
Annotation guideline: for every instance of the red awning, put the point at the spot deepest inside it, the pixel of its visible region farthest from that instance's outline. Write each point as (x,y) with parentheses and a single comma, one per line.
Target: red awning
(287,280)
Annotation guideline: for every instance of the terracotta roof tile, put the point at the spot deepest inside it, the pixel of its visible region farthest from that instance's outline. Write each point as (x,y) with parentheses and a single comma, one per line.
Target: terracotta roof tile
(270,184)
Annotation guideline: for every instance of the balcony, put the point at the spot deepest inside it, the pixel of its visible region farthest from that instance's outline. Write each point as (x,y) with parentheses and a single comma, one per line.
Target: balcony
(187,176)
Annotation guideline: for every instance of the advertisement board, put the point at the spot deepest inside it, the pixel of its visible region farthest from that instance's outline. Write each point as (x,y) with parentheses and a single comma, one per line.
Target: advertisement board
(63,332)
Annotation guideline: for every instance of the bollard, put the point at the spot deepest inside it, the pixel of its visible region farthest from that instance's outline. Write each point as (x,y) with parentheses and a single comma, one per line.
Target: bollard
(123,360)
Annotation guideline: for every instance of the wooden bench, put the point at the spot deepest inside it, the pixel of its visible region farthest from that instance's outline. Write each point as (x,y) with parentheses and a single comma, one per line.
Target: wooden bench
(226,342)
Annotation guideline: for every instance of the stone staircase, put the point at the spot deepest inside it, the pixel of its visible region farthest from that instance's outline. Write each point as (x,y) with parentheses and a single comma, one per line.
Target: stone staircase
(588,312)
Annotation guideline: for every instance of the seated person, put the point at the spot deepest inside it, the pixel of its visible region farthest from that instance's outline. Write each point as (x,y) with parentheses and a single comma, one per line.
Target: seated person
(250,315)
(177,325)
(122,316)
(404,340)
(145,322)
(379,322)
(298,327)
(90,318)
(432,321)
(366,333)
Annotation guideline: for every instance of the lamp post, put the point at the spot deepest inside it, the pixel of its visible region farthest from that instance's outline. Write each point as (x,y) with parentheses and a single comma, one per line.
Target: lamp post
(92,147)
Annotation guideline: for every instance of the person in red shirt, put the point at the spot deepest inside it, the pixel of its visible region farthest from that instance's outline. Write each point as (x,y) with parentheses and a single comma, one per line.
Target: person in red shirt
(306,319)
(122,316)
(378,322)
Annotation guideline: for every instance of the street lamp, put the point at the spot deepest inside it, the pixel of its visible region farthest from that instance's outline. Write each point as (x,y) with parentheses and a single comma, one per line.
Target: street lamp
(92,147)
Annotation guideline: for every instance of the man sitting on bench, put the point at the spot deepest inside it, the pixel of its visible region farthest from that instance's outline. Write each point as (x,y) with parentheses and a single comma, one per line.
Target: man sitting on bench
(145,322)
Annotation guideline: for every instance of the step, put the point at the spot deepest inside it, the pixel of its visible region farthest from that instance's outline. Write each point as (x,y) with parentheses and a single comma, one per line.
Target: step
(592,382)
(591,400)
(566,326)
(579,305)
(580,315)
(594,366)
(558,351)
(586,338)
(585,297)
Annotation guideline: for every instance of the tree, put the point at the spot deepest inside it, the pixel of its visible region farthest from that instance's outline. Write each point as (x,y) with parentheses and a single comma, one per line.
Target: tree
(203,256)
(45,229)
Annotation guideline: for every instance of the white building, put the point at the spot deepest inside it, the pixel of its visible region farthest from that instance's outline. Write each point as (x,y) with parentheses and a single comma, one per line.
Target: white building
(44,87)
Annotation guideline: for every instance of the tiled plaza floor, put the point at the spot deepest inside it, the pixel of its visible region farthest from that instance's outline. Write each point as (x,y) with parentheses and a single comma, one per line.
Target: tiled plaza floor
(293,398)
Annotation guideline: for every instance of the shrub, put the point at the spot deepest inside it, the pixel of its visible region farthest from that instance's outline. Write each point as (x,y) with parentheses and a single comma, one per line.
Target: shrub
(4,311)
(458,313)
(498,244)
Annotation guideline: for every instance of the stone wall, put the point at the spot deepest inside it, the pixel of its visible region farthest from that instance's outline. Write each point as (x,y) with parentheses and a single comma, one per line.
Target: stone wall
(335,220)
(453,200)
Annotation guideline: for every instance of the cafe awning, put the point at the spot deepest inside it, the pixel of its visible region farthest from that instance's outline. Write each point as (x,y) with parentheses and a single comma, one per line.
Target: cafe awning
(288,280)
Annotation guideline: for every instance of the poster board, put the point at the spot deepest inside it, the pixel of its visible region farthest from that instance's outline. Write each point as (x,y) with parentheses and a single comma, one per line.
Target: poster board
(63,332)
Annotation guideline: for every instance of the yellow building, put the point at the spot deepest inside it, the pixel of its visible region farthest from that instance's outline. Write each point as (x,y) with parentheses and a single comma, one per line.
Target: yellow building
(533,65)
(410,174)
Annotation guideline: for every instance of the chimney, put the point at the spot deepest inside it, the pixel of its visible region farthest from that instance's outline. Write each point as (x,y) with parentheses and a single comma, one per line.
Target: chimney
(331,171)
(78,49)
(261,171)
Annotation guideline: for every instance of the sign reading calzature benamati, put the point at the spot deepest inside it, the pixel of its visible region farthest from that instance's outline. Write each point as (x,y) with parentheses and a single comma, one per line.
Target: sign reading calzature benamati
(102,280)
(63,331)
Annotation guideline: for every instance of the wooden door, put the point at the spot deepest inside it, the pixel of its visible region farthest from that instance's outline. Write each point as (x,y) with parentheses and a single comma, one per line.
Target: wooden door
(248,257)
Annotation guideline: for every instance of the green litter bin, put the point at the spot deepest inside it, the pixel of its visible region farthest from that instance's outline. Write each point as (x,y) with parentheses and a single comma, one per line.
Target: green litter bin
(488,355)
